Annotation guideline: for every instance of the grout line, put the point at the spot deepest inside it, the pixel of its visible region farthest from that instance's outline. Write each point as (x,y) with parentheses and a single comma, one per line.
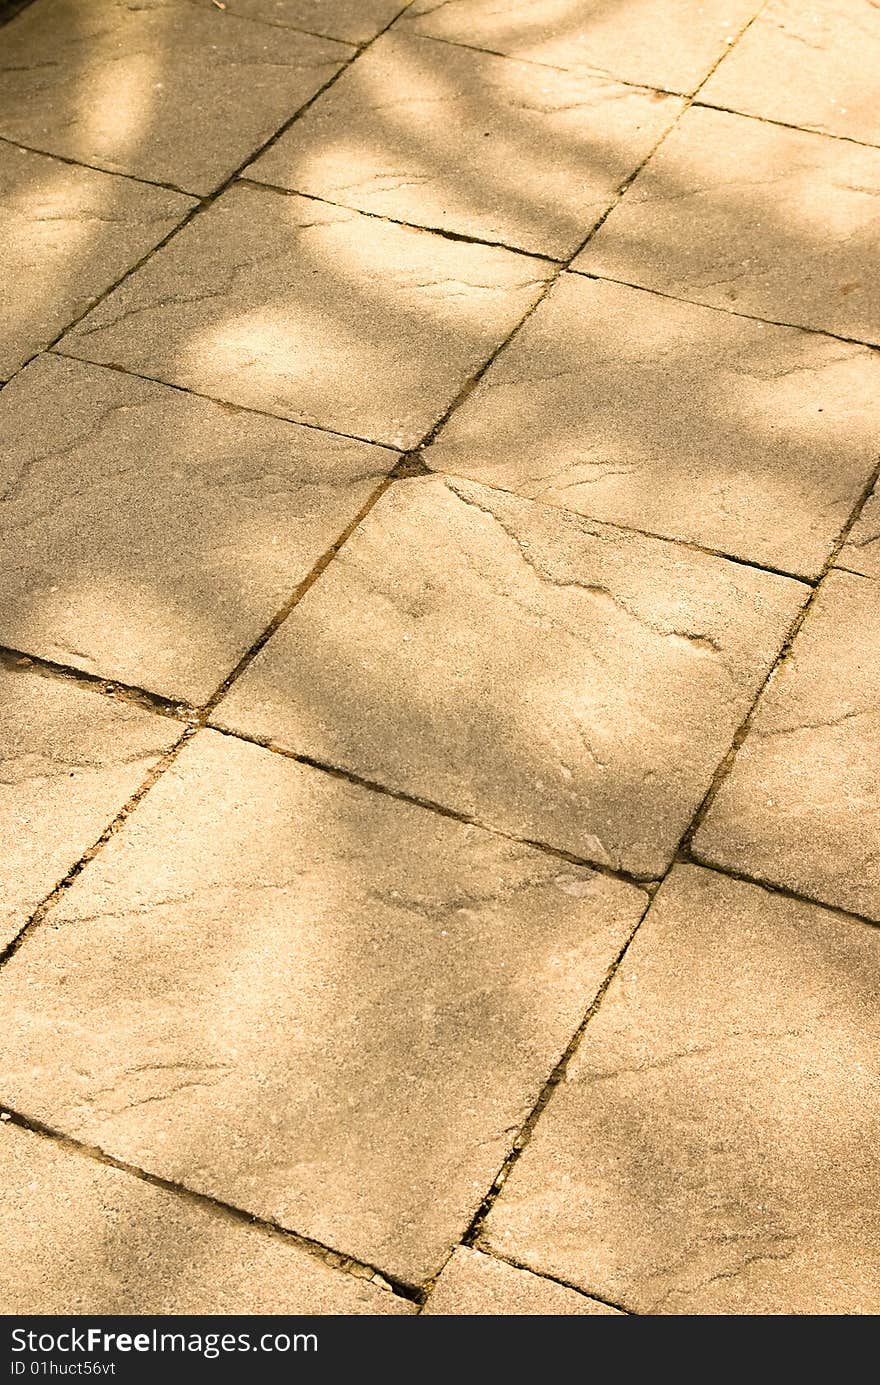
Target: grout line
(99,168)
(785,124)
(728,312)
(11,8)
(204,203)
(772,887)
(163,763)
(215,399)
(726,764)
(358,1269)
(262,185)
(515,1264)
(19,661)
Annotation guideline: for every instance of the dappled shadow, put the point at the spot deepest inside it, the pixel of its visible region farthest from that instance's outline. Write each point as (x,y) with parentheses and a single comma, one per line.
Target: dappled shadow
(323,316)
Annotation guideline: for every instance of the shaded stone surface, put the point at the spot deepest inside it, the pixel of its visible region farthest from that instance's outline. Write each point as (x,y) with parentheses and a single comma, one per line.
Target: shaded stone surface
(154,89)
(462,141)
(574,685)
(68,234)
(814,65)
(355,21)
(150,535)
(861,552)
(81,1237)
(478,1285)
(320,1004)
(752,217)
(669,417)
(315,313)
(70,759)
(801,805)
(711,1148)
(664,43)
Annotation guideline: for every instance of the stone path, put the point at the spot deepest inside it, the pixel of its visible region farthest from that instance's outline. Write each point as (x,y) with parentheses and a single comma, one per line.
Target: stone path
(439,692)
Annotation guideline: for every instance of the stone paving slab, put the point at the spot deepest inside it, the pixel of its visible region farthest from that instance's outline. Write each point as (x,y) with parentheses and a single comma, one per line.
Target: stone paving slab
(70,759)
(815,65)
(801,806)
(315,1002)
(315,313)
(673,418)
(354,21)
(462,141)
(662,43)
(67,233)
(150,536)
(155,88)
(756,218)
(575,685)
(79,1237)
(473,1284)
(710,1150)
(861,552)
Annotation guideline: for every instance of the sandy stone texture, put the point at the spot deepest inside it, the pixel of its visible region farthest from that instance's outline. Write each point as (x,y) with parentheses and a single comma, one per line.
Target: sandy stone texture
(575,685)
(477,1285)
(710,1151)
(309,1000)
(801,806)
(354,21)
(149,535)
(67,234)
(861,552)
(662,43)
(155,88)
(756,218)
(315,313)
(463,141)
(70,759)
(79,1237)
(815,65)
(669,417)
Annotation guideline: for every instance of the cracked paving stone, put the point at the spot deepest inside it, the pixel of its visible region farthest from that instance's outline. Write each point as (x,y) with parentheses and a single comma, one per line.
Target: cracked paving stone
(315,313)
(575,685)
(664,43)
(318,1003)
(473,1284)
(669,417)
(69,760)
(815,65)
(462,141)
(801,805)
(154,89)
(710,1150)
(861,552)
(67,234)
(354,21)
(81,1237)
(753,218)
(149,535)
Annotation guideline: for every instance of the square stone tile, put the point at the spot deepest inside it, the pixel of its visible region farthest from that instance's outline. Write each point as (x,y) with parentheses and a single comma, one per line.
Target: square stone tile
(70,759)
(477,1285)
(801,806)
(752,217)
(743,437)
(155,88)
(663,43)
(307,999)
(712,1150)
(815,65)
(861,552)
(316,313)
(446,137)
(79,1237)
(573,684)
(150,535)
(67,234)
(355,21)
